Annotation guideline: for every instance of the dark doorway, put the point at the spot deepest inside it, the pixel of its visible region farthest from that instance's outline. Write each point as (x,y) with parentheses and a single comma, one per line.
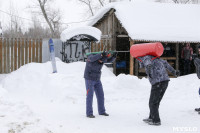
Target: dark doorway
(123,56)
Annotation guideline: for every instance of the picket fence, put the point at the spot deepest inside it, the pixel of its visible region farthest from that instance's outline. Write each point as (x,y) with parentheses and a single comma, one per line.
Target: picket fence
(16,52)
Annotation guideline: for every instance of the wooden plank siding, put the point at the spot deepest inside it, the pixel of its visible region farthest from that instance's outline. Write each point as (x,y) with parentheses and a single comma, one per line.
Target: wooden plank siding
(15,52)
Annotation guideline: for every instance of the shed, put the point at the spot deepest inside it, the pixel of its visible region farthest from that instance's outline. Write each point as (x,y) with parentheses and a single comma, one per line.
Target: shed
(127,23)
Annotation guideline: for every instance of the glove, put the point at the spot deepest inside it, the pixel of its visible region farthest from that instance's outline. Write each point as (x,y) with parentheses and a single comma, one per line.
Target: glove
(114,54)
(149,70)
(177,73)
(104,54)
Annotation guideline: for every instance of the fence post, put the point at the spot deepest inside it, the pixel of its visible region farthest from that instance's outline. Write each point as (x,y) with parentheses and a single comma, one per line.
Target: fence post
(29,51)
(22,52)
(40,51)
(33,50)
(15,54)
(8,56)
(12,51)
(37,56)
(26,51)
(1,59)
(4,55)
(19,52)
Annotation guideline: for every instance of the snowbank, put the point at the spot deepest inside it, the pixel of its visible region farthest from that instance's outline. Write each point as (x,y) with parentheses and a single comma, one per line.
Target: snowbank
(34,100)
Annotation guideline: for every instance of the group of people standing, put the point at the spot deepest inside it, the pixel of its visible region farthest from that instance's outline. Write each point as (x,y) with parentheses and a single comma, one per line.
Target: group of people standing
(156,70)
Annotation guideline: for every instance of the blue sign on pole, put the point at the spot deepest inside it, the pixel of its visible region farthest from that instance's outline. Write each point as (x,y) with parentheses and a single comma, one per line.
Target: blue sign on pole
(52,55)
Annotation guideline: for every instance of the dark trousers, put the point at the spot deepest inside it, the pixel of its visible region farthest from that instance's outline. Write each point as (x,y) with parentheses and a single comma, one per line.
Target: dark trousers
(91,87)
(187,67)
(157,92)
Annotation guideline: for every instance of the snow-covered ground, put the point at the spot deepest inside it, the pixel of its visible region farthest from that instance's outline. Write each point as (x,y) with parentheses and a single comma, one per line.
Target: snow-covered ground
(33,100)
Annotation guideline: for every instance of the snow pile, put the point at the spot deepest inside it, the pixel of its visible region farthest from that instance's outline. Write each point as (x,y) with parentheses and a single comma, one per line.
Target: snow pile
(156,21)
(34,100)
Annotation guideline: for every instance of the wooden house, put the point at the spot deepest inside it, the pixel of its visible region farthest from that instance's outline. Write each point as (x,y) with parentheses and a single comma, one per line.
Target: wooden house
(127,23)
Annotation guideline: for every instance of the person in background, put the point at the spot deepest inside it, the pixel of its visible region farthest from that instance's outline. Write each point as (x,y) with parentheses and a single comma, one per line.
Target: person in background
(156,72)
(197,65)
(186,55)
(93,83)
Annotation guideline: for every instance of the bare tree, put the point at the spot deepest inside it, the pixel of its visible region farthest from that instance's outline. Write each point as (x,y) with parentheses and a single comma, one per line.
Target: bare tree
(101,2)
(180,1)
(89,4)
(51,16)
(13,27)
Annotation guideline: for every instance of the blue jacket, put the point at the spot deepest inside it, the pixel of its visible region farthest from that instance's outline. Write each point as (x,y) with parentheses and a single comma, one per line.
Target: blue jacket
(93,66)
(158,71)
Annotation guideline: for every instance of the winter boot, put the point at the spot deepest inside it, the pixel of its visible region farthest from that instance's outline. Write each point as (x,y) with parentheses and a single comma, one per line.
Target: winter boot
(105,114)
(91,116)
(197,109)
(147,120)
(154,123)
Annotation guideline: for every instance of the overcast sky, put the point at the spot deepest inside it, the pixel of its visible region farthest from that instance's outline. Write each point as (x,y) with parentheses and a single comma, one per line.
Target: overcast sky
(71,10)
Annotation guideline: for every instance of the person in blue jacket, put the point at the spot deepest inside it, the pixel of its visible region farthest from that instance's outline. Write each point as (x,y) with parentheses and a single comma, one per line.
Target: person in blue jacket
(93,83)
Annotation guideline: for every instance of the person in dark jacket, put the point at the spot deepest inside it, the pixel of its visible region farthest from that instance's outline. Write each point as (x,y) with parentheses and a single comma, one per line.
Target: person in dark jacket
(156,72)
(93,83)
(197,65)
(186,55)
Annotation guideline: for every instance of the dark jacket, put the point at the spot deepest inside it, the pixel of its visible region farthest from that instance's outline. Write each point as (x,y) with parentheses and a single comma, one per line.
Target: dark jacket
(158,72)
(197,65)
(93,66)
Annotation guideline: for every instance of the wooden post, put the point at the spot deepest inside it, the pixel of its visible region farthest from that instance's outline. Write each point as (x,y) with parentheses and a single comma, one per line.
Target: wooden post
(15,54)
(33,50)
(40,51)
(12,54)
(102,43)
(136,68)
(92,47)
(177,56)
(131,60)
(26,51)
(19,52)
(29,57)
(22,52)
(4,55)
(8,56)
(37,52)
(99,46)
(1,59)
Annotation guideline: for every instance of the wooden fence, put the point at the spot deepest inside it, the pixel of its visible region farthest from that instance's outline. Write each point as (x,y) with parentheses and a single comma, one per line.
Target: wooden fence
(16,52)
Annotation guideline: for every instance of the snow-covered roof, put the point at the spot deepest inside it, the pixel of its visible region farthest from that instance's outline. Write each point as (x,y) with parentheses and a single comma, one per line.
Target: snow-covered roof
(156,21)
(87,31)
